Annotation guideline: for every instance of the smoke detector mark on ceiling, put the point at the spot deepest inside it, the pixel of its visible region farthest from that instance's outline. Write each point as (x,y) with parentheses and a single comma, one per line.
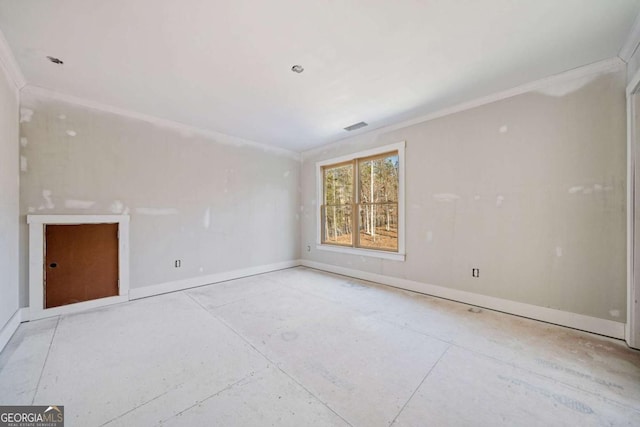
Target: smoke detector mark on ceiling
(356,126)
(297,68)
(55,60)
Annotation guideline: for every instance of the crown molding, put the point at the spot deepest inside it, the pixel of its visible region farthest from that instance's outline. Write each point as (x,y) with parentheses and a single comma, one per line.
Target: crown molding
(220,137)
(605,66)
(600,67)
(10,65)
(631,43)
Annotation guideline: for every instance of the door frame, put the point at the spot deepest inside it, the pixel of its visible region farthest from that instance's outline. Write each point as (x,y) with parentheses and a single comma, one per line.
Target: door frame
(37,224)
(632,327)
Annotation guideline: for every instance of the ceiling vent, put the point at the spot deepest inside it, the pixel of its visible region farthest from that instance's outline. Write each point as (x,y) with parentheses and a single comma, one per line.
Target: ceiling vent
(356,126)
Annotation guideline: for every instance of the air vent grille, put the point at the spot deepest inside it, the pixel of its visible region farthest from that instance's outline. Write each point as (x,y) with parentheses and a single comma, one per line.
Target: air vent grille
(355,126)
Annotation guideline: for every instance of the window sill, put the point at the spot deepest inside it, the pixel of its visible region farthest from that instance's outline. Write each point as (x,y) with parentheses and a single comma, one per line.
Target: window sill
(395,256)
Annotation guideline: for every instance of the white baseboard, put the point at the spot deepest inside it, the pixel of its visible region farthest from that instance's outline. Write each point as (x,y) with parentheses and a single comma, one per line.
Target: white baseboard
(563,318)
(25,314)
(10,328)
(178,285)
(76,307)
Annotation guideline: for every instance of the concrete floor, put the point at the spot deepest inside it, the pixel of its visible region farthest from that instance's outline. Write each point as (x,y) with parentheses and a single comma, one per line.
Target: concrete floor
(300,347)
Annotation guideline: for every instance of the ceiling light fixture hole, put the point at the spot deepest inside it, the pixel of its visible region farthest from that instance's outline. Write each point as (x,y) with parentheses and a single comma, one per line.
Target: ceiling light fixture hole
(55,60)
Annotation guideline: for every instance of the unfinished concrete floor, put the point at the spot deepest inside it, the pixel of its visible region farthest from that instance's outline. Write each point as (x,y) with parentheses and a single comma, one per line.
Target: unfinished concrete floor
(299,347)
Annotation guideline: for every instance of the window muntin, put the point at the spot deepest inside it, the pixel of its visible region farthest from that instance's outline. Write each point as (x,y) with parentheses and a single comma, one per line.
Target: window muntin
(362,194)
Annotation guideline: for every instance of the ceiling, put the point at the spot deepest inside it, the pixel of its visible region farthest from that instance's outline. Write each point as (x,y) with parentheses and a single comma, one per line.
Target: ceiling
(225,65)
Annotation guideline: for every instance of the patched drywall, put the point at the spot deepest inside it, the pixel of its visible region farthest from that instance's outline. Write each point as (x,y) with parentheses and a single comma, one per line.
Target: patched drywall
(215,204)
(9,196)
(530,189)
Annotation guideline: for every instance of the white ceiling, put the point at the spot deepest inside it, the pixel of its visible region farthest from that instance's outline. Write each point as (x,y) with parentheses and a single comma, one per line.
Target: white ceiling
(225,65)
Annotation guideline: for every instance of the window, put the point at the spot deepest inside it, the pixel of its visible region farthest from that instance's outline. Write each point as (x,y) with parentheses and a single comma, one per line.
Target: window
(361,203)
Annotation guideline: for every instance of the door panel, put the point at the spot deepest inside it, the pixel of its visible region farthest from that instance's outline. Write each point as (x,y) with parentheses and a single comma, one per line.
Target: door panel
(81,263)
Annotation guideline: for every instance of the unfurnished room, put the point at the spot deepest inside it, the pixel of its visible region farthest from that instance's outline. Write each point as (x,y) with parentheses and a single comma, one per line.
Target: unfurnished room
(319,213)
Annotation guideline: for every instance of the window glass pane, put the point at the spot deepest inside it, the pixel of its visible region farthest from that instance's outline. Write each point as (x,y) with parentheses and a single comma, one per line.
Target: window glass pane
(338,185)
(379,226)
(338,225)
(379,179)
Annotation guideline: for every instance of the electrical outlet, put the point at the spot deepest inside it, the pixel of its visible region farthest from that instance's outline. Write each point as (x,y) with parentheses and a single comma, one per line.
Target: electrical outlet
(177,263)
(475,272)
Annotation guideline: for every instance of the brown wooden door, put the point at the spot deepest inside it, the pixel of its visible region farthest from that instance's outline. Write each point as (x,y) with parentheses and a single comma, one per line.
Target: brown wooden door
(81,263)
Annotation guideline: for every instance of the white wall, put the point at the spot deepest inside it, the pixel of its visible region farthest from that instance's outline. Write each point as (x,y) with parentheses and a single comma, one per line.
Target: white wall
(213,202)
(540,181)
(8,198)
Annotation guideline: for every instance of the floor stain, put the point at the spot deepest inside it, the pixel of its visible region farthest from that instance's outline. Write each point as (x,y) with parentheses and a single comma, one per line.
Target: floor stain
(567,401)
(289,336)
(552,365)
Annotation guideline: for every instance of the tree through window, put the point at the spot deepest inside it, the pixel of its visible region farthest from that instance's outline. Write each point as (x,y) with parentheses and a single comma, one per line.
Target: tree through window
(360,202)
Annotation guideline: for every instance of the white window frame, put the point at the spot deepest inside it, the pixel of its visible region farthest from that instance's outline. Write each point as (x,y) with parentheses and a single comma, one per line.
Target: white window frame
(396,256)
